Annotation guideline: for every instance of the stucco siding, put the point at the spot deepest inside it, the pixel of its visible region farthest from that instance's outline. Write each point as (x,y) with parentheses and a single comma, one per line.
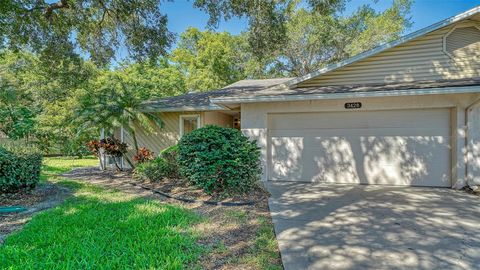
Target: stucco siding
(423,58)
(255,119)
(218,118)
(473,144)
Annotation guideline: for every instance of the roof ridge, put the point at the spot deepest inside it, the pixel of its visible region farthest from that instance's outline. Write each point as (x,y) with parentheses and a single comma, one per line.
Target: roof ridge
(256,80)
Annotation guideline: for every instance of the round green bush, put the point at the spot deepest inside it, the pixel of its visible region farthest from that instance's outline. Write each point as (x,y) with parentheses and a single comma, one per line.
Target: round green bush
(19,168)
(220,160)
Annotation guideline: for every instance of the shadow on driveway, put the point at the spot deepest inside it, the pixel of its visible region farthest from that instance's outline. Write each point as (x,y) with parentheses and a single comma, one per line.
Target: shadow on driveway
(321,226)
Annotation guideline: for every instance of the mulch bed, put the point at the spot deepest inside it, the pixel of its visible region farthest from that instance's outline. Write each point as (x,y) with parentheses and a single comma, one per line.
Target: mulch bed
(174,187)
(42,197)
(182,189)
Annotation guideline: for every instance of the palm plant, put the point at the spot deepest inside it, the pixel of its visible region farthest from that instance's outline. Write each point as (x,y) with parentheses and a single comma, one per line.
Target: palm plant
(113,103)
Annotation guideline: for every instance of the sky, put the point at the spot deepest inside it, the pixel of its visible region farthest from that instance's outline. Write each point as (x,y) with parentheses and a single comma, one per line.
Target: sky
(181,14)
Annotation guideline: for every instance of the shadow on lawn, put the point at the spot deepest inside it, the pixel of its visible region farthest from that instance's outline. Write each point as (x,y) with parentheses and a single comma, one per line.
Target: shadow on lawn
(106,229)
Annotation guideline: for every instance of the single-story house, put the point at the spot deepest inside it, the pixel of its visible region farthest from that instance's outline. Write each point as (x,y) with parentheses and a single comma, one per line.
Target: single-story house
(404,113)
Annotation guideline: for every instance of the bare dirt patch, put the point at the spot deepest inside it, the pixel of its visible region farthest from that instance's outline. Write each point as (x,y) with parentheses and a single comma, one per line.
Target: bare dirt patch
(42,197)
(237,237)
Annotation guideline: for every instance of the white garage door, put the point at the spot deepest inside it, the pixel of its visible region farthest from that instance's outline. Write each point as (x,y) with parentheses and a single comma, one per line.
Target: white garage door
(402,147)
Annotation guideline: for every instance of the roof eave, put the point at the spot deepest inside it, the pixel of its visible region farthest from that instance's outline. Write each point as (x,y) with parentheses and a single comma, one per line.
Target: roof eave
(387,93)
(212,107)
(292,83)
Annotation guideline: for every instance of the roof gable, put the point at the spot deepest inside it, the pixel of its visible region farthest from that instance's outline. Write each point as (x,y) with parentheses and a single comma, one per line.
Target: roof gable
(365,55)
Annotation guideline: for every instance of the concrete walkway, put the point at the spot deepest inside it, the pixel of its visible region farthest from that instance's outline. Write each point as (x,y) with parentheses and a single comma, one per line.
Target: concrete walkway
(375,227)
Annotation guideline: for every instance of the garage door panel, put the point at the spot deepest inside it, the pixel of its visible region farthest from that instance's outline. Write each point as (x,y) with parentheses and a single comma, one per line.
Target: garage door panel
(432,118)
(291,156)
(384,132)
(377,156)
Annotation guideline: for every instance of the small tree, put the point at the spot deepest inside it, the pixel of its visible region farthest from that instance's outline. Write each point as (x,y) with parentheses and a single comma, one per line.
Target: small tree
(115,102)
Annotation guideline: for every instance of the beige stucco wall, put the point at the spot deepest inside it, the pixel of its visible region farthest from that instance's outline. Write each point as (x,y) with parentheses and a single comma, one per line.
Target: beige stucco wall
(423,58)
(218,118)
(254,119)
(473,146)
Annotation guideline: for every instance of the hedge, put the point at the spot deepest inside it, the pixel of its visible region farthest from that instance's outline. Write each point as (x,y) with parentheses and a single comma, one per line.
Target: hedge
(19,168)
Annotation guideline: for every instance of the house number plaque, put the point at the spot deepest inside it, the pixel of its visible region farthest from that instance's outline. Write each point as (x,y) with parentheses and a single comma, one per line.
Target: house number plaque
(353,105)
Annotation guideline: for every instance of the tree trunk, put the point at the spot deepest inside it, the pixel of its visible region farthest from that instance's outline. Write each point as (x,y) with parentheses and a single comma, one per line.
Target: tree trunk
(116,164)
(135,142)
(128,161)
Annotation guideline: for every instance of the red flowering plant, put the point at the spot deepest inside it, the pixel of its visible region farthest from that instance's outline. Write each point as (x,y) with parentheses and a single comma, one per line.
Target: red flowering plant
(94,147)
(111,146)
(143,155)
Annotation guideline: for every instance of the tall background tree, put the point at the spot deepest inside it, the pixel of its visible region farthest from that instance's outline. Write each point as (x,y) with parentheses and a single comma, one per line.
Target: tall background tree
(209,60)
(314,41)
(37,99)
(58,57)
(98,28)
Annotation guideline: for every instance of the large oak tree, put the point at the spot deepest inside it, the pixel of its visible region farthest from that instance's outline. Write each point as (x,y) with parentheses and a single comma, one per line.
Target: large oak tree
(98,28)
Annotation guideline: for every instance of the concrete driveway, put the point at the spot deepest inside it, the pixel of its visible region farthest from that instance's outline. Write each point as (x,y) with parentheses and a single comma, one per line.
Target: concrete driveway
(322,226)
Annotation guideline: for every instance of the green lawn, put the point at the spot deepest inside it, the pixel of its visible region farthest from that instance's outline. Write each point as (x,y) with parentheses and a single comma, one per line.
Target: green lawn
(53,166)
(102,229)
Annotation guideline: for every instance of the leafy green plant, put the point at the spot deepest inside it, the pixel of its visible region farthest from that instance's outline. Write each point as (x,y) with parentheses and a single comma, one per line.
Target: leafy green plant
(154,170)
(19,168)
(219,160)
(170,155)
(165,165)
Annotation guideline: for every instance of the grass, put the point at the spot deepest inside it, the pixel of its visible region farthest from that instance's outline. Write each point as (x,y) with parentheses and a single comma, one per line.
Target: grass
(239,216)
(264,254)
(102,229)
(52,166)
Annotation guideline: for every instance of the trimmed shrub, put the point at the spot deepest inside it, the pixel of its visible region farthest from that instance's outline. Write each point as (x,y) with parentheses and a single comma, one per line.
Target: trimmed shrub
(155,170)
(19,168)
(219,160)
(111,145)
(165,165)
(170,155)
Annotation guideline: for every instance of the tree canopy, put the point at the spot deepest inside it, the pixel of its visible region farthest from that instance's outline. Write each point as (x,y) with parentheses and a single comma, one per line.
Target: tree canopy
(315,41)
(209,60)
(98,28)
(58,85)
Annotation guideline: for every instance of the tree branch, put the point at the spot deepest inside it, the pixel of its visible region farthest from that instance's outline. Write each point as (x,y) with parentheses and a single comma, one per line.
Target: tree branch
(59,5)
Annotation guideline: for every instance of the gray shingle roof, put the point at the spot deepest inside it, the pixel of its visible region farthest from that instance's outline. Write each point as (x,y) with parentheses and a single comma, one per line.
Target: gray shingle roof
(274,88)
(201,100)
(361,88)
